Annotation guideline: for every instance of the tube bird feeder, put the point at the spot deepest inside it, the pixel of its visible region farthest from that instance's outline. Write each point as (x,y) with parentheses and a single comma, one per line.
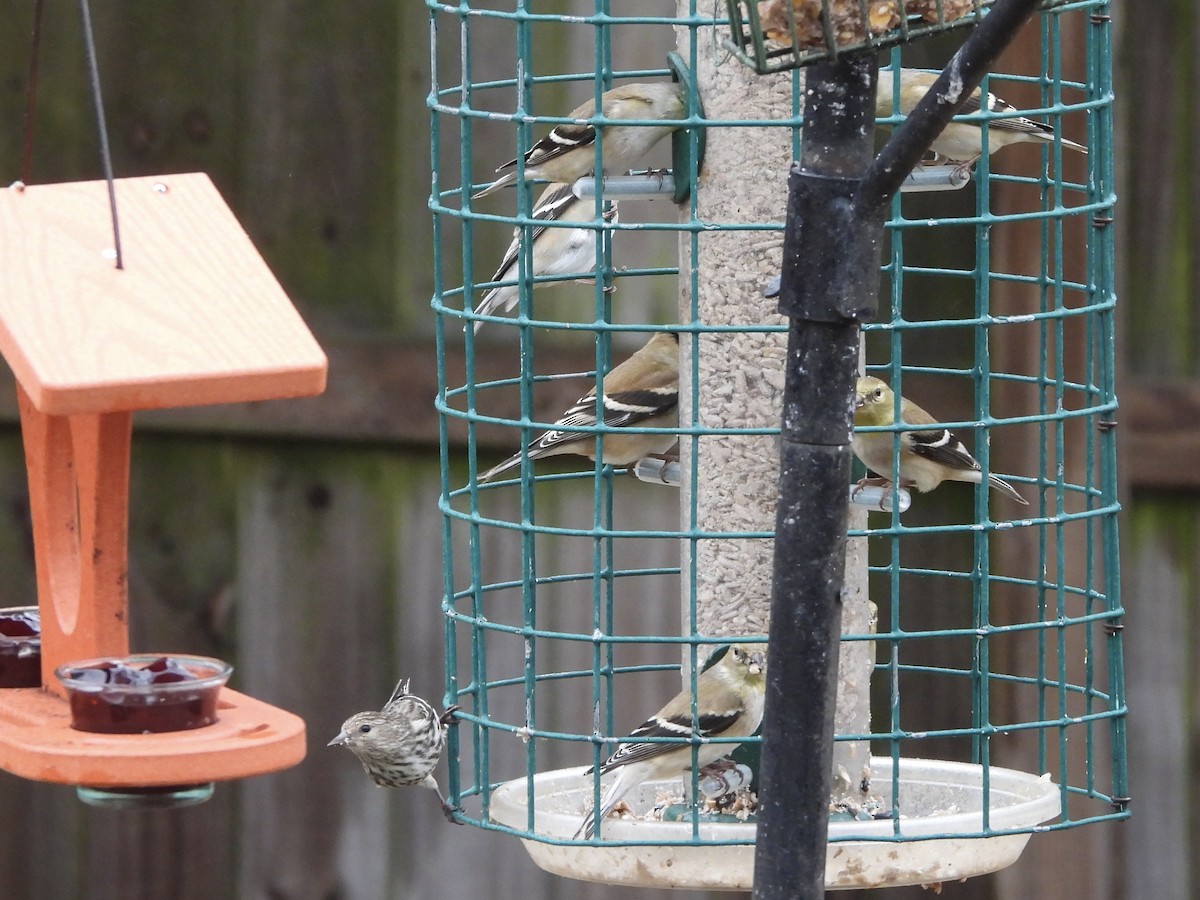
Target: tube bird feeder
(194,317)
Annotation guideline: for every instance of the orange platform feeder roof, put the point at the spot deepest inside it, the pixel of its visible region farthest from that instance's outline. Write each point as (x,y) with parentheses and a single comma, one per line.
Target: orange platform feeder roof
(194,317)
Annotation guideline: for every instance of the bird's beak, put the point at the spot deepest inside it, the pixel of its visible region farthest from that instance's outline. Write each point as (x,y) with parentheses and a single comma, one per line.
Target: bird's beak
(859,401)
(758,663)
(338,741)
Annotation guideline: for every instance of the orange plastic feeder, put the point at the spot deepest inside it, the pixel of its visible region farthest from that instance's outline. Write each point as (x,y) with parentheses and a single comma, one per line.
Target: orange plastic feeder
(194,317)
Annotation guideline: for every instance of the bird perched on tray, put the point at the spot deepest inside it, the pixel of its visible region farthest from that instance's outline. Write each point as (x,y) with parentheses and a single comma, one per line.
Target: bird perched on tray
(729,704)
(927,457)
(643,392)
(568,152)
(961,142)
(401,744)
(556,251)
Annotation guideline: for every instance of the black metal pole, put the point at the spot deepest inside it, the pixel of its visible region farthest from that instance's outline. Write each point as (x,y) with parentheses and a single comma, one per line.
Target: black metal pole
(829,284)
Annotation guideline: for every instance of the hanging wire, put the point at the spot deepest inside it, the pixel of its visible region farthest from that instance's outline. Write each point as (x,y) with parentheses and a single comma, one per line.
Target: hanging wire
(102,131)
(35,45)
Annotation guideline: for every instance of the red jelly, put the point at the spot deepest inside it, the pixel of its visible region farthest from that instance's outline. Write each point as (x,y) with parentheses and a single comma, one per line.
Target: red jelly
(143,694)
(20,647)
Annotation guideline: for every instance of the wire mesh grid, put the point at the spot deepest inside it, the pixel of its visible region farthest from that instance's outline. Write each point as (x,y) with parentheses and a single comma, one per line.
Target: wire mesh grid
(562,580)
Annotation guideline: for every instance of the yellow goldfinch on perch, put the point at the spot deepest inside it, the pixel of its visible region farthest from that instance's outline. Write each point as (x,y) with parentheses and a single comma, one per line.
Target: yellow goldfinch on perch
(962,142)
(642,391)
(927,458)
(556,251)
(729,703)
(568,152)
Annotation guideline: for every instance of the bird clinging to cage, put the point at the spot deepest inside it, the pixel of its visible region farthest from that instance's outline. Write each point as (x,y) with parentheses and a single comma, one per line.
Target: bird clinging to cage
(401,744)
(643,391)
(729,704)
(927,458)
(962,142)
(556,251)
(568,152)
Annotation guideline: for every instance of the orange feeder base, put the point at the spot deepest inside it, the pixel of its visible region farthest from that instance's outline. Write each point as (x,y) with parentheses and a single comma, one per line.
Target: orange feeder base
(249,738)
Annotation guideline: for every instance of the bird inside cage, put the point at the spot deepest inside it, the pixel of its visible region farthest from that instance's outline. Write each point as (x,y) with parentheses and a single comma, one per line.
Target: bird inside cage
(556,250)
(729,704)
(961,143)
(927,457)
(568,152)
(641,392)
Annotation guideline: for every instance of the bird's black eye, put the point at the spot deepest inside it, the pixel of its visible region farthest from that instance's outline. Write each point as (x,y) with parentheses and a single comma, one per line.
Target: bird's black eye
(364,728)
(878,393)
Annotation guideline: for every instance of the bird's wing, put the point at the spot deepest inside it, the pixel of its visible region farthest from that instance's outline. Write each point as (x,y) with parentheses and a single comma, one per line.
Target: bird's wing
(583,413)
(1023,124)
(630,407)
(562,139)
(943,447)
(548,209)
(414,700)
(709,724)
(621,409)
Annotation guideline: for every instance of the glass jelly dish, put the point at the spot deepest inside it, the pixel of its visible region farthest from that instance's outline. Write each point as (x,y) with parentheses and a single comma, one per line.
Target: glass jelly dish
(144,693)
(20,647)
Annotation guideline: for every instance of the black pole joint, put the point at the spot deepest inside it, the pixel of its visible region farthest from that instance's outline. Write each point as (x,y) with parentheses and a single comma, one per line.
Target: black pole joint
(831,255)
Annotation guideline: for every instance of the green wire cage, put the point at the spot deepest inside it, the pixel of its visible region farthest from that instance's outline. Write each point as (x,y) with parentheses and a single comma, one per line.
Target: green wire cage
(982,683)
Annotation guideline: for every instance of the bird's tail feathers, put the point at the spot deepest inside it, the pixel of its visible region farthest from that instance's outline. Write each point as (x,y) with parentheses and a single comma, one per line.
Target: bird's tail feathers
(503,182)
(999,484)
(511,463)
(1047,135)
(613,794)
(503,297)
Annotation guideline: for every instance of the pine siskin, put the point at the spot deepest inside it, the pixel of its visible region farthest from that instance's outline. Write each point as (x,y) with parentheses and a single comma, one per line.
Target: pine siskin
(401,744)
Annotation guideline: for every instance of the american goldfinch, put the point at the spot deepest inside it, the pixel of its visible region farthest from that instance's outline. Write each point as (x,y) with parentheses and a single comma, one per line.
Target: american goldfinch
(729,703)
(961,142)
(927,458)
(642,391)
(556,251)
(401,744)
(568,152)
